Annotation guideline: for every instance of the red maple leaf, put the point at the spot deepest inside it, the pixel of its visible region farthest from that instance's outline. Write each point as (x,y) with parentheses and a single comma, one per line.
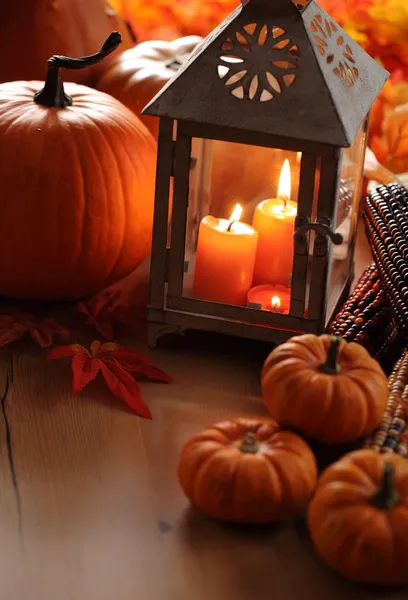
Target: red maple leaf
(99,312)
(116,363)
(15,324)
(105,309)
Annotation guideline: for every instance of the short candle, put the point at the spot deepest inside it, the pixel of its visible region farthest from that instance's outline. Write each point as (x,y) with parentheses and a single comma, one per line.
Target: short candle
(273,298)
(225,259)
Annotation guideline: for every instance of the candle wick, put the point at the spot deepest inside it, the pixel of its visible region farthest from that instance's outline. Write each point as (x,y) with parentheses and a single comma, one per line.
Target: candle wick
(231,223)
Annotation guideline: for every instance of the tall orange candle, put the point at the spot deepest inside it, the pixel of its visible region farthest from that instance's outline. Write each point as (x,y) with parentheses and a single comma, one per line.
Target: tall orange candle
(274,219)
(225,259)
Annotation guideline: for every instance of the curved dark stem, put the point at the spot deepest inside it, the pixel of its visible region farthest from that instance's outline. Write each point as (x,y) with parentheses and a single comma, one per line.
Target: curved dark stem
(387,497)
(331,366)
(53,93)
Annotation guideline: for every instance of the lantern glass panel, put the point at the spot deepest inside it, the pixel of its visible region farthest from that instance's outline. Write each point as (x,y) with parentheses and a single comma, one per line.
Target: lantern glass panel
(348,202)
(222,175)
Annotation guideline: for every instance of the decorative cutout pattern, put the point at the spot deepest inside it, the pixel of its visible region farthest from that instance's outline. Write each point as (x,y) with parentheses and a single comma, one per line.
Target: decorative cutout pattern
(331,44)
(301,4)
(258,62)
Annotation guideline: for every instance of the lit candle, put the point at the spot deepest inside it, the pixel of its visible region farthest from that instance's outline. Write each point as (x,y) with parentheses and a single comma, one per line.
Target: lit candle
(225,259)
(274,298)
(274,219)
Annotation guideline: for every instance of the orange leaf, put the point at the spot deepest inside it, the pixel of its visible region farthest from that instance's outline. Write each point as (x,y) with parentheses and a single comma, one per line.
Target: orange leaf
(99,311)
(43,332)
(15,324)
(116,363)
(64,351)
(133,362)
(84,370)
(10,330)
(122,385)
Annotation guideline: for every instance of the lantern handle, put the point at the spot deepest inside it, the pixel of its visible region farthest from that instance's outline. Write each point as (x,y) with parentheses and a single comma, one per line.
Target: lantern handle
(321,228)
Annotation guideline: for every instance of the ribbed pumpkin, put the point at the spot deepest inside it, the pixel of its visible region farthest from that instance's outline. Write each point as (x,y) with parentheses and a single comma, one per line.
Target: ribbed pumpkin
(138,74)
(77,173)
(248,471)
(358,518)
(32,30)
(325,388)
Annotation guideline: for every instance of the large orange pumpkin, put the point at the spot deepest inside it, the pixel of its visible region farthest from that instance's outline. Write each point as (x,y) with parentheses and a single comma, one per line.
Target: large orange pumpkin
(248,471)
(32,30)
(77,173)
(325,388)
(358,518)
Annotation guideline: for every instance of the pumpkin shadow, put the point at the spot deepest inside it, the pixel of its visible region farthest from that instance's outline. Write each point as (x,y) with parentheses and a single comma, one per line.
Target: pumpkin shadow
(326,455)
(217,344)
(195,528)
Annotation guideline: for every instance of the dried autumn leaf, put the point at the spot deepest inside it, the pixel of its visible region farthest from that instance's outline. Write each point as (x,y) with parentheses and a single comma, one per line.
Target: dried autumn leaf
(139,364)
(44,332)
(117,363)
(99,312)
(15,324)
(391,148)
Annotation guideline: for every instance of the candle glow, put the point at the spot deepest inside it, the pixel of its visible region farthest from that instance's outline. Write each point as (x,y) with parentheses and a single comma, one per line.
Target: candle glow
(225,259)
(235,217)
(275,303)
(285,184)
(274,219)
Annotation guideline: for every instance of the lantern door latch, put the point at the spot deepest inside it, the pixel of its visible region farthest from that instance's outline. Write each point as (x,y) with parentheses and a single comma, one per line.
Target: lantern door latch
(320,228)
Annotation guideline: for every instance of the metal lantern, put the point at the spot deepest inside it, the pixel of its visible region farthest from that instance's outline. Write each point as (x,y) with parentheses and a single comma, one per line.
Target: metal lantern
(259,174)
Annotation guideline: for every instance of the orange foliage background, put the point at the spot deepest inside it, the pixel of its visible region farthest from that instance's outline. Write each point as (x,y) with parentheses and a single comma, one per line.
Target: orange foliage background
(380,26)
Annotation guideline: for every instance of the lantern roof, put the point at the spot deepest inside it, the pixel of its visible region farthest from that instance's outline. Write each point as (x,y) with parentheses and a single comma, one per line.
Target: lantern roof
(277,67)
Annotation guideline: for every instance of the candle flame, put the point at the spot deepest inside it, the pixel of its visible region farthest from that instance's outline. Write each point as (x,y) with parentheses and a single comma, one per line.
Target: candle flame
(275,303)
(236,213)
(284,189)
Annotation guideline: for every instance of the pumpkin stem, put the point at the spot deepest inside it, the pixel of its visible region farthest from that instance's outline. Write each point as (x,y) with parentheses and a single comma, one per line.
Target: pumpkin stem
(53,94)
(249,444)
(331,366)
(387,496)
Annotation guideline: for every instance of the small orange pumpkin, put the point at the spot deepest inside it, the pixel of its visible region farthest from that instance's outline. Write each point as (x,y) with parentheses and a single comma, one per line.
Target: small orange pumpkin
(247,471)
(358,518)
(325,388)
(77,173)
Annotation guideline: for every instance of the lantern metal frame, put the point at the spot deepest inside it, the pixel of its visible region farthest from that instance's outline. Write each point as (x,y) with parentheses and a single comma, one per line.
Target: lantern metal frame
(195,105)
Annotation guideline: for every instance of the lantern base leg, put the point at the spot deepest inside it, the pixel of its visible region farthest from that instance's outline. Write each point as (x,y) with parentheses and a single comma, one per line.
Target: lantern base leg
(155,331)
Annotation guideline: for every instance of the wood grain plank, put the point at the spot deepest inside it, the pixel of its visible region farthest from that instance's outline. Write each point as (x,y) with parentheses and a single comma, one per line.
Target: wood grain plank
(12,547)
(103,517)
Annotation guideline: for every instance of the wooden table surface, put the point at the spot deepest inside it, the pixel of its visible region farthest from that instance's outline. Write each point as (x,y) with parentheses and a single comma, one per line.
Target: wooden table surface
(90,508)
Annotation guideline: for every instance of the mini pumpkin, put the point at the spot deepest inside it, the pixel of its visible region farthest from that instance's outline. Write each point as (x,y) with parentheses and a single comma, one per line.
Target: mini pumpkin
(77,172)
(325,388)
(247,471)
(358,518)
